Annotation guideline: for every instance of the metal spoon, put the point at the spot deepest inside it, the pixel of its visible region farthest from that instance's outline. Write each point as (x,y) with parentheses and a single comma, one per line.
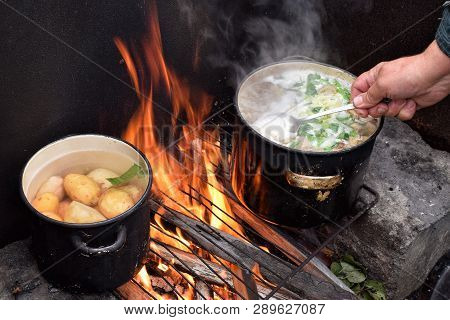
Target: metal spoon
(296,123)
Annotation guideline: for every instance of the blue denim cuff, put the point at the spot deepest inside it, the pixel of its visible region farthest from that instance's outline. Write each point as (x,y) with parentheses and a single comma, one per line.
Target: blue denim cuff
(443,33)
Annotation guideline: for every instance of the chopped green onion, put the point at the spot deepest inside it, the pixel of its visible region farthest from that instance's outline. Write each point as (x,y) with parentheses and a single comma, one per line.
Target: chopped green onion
(344,136)
(294,144)
(311,82)
(304,128)
(135,170)
(310,137)
(321,133)
(344,92)
(334,127)
(330,148)
(320,140)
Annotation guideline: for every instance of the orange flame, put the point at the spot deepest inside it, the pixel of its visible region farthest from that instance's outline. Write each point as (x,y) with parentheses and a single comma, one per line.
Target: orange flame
(184,184)
(143,278)
(247,171)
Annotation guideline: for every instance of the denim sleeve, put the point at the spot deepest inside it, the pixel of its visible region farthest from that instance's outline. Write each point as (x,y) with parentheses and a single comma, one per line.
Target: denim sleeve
(443,33)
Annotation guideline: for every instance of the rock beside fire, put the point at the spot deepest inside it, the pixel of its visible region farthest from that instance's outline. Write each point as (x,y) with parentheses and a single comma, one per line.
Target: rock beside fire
(404,235)
(20,279)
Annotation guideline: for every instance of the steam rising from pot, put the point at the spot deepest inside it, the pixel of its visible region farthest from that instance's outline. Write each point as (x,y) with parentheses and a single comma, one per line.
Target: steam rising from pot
(243,35)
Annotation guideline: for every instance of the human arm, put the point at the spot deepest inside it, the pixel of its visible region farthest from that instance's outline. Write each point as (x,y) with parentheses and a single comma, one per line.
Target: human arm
(411,82)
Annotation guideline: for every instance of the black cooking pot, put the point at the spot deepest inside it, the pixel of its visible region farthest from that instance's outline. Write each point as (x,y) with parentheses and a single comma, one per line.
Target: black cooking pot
(96,256)
(289,187)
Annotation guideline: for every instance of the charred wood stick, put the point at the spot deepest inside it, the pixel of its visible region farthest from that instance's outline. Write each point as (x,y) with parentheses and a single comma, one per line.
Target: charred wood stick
(203,292)
(194,263)
(246,255)
(314,267)
(244,283)
(163,284)
(203,272)
(132,291)
(163,271)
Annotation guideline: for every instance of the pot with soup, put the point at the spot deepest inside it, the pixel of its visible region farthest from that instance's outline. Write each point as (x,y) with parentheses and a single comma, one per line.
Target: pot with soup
(302,176)
(90,218)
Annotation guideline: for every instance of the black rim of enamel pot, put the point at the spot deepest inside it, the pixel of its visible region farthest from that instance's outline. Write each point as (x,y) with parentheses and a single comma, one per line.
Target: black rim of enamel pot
(300,204)
(91,257)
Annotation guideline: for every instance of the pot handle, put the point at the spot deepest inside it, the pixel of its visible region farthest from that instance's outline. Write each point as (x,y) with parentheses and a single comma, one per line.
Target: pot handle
(117,245)
(311,182)
(298,57)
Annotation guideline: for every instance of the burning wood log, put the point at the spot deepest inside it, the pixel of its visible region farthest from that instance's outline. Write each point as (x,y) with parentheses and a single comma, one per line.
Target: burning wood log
(184,260)
(202,291)
(202,271)
(314,267)
(245,284)
(132,291)
(163,270)
(247,256)
(165,285)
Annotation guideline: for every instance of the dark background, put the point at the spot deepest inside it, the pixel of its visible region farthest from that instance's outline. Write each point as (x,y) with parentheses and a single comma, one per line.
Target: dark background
(48,90)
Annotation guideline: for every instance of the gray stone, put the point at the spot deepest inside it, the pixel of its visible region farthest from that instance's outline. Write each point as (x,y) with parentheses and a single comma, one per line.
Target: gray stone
(20,278)
(408,230)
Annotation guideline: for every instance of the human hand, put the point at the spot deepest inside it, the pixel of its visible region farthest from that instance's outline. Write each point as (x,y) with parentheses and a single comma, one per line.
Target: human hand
(411,83)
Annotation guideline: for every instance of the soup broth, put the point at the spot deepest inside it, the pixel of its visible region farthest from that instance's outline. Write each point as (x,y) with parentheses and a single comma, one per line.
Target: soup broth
(273,97)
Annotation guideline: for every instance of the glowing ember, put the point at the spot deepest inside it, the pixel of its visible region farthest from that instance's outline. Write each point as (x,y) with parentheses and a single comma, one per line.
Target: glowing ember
(163,267)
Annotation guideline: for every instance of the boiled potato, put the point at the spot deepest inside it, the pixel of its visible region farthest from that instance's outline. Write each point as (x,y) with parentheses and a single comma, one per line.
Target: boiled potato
(114,202)
(47,202)
(79,213)
(62,209)
(54,185)
(81,188)
(52,215)
(100,176)
(133,190)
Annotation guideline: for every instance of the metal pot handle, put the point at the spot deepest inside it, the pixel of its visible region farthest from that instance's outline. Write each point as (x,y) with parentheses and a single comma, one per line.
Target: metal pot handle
(298,57)
(311,182)
(117,245)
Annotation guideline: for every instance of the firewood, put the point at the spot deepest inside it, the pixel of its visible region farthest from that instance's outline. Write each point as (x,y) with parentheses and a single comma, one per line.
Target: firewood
(132,291)
(202,271)
(165,285)
(246,255)
(244,284)
(161,269)
(314,267)
(203,292)
(184,261)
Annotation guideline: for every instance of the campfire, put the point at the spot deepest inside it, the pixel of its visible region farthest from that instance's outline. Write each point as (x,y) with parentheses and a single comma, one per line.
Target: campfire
(250,184)
(205,243)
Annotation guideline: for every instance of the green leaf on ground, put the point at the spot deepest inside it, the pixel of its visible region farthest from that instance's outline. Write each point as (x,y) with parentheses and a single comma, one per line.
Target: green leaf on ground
(336,268)
(347,283)
(347,267)
(356,276)
(352,274)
